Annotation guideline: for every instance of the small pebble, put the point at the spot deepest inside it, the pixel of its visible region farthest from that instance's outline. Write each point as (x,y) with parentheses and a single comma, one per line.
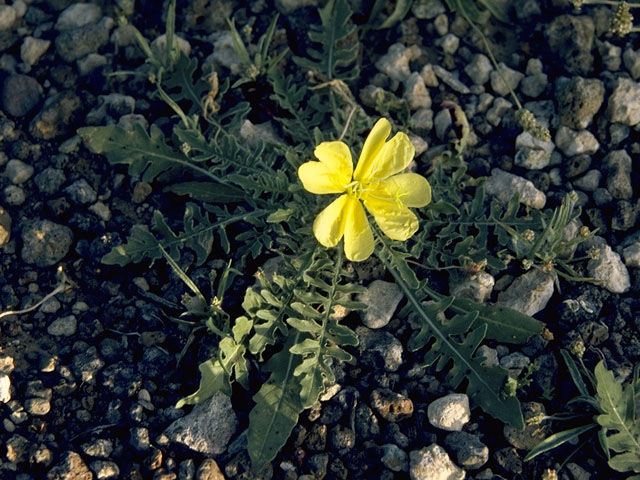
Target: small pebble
(450,412)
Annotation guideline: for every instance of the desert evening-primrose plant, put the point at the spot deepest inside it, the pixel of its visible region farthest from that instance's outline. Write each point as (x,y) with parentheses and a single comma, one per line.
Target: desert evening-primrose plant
(248,202)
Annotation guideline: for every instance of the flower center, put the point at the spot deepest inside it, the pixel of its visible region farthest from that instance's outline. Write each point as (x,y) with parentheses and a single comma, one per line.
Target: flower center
(356,190)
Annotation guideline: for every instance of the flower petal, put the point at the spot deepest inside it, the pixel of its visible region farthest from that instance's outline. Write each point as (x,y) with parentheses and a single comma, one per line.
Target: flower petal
(336,156)
(393,157)
(317,177)
(328,226)
(358,238)
(396,222)
(412,189)
(372,146)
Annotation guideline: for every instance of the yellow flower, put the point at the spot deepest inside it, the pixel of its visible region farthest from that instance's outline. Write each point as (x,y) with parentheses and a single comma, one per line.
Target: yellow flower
(376,182)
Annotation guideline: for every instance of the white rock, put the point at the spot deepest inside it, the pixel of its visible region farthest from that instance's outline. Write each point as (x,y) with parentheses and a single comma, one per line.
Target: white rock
(532,153)
(504,185)
(90,62)
(160,43)
(382,299)
(32,49)
(631,255)
(395,63)
(394,458)
(208,428)
(78,15)
(433,463)
(608,270)
(416,93)
(450,412)
(101,210)
(529,293)
(449,43)
(451,80)
(512,77)
(477,288)
(624,102)
(8,16)
(5,388)
(479,69)
(573,142)
(224,52)
(429,76)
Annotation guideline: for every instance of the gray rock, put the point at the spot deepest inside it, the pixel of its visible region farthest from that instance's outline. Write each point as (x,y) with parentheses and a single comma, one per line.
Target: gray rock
(468,450)
(497,111)
(139,440)
(159,44)
(618,166)
(99,448)
(50,180)
(450,412)
(479,69)
(416,93)
(589,182)
(631,255)
(14,195)
(442,122)
(187,470)
(394,458)
(395,63)
(477,288)
(70,467)
(529,293)
(489,356)
(570,39)
(288,6)
(382,299)
(45,243)
(86,365)
(433,463)
(63,326)
(78,42)
(90,62)
(608,270)
(32,49)
(534,431)
(602,196)
(5,226)
(512,77)
(8,17)
(515,360)
(105,470)
(427,9)
(388,347)
(534,66)
(573,142)
(534,85)
(578,101)
(78,15)
(20,95)
(624,102)
(58,116)
(366,423)
(81,193)
(631,59)
(121,378)
(450,80)
(504,186)
(17,448)
(577,472)
(391,406)
(610,55)
(208,428)
(17,171)
(224,52)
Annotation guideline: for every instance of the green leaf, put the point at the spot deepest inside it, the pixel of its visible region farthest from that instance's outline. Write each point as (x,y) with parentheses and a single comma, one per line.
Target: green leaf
(485,384)
(280,215)
(339,44)
(618,415)
(558,439)
(213,378)
(208,192)
(147,155)
(277,408)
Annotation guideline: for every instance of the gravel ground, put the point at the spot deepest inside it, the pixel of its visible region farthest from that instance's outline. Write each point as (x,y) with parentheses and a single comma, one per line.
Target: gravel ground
(89,379)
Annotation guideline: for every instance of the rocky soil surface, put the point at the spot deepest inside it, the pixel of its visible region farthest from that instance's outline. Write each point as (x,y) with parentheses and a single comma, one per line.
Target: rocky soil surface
(89,378)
